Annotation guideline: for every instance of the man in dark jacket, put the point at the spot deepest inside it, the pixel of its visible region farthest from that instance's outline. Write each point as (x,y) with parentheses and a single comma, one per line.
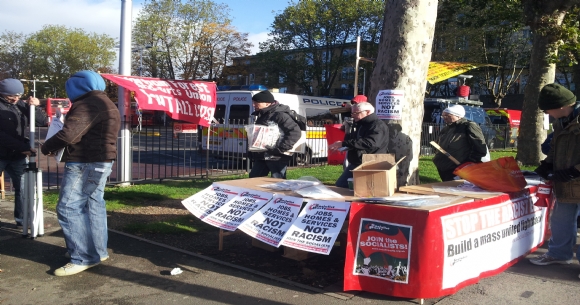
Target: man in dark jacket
(369,135)
(562,167)
(89,139)
(461,138)
(14,145)
(275,160)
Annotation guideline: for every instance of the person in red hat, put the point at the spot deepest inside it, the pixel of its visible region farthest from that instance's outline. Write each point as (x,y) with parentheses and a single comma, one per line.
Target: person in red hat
(358,99)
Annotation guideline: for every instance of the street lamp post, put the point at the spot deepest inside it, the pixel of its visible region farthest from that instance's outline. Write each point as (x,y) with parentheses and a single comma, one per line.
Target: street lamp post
(364,79)
(34,81)
(140,50)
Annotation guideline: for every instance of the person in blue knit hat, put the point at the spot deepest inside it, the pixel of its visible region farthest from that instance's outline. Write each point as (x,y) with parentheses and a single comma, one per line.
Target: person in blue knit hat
(89,139)
(15,146)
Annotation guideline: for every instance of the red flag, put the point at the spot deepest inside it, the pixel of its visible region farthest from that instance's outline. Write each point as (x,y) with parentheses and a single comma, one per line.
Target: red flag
(184,100)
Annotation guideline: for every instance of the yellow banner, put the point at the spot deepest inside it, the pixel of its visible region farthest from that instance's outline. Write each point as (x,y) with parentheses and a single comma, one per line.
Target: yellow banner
(442,70)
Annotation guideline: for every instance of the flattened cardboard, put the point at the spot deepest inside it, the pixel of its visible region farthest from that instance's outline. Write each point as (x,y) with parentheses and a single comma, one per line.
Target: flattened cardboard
(427,189)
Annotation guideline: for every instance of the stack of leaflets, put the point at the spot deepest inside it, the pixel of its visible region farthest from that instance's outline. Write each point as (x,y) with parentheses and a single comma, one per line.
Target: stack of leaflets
(260,137)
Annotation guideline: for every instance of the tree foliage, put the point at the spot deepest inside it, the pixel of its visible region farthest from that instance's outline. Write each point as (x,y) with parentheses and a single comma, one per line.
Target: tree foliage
(491,32)
(54,53)
(319,31)
(189,39)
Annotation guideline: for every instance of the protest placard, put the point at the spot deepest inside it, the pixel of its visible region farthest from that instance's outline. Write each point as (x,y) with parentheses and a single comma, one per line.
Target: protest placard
(389,104)
(317,226)
(238,209)
(272,221)
(383,250)
(210,199)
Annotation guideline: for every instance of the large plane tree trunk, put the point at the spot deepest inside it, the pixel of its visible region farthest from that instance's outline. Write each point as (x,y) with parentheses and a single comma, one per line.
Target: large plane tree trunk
(545,19)
(402,64)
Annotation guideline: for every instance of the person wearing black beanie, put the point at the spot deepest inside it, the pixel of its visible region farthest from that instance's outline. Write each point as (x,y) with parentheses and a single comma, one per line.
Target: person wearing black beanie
(275,159)
(562,168)
(14,119)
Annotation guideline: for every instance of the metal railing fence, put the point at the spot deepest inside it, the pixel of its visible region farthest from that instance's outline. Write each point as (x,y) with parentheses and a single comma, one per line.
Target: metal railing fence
(159,153)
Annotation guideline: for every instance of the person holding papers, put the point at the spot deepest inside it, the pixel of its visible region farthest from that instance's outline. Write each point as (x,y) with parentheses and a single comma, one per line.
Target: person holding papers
(369,135)
(15,146)
(89,139)
(275,159)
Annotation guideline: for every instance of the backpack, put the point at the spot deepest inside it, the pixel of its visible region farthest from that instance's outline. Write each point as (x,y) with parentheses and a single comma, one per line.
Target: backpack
(299,119)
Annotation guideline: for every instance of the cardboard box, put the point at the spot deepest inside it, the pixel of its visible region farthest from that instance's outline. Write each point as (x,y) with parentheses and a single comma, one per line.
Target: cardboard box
(376,176)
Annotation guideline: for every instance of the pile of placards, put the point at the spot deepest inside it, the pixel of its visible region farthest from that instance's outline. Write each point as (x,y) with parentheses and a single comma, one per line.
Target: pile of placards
(274,219)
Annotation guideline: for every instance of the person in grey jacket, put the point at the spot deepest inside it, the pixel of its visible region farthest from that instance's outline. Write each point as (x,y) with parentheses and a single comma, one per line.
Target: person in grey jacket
(89,139)
(15,146)
(369,135)
(461,138)
(562,168)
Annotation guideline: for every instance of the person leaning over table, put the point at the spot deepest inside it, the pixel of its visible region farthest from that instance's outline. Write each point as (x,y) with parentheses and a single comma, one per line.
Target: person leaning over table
(369,135)
(275,160)
(461,138)
(14,145)
(89,139)
(562,167)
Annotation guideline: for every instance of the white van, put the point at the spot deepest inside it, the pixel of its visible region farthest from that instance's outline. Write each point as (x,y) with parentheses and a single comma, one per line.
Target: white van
(233,111)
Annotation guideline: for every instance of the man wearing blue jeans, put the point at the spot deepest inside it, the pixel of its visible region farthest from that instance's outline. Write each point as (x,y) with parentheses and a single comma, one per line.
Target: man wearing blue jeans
(89,139)
(562,167)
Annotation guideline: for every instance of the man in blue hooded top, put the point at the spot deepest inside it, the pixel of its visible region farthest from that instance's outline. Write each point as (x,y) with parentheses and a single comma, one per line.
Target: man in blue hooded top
(89,139)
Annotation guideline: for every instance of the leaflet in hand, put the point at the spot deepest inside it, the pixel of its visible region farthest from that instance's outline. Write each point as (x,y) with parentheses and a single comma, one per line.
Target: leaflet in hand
(55,126)
(260,136)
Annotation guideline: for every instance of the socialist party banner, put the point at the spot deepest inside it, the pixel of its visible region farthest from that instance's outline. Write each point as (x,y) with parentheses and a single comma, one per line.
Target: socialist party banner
(185,100)
(317,226)
(383,250)
(271,222)
(204,202)
(238,209)
(490,237)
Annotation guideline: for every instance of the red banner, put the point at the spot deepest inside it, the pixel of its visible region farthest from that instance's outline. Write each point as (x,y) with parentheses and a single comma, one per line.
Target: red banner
(184,100)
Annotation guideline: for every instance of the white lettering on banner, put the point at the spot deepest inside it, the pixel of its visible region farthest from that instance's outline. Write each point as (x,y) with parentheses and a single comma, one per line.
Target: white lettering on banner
(160,99)
(459,225)
(487,238)
(204,112)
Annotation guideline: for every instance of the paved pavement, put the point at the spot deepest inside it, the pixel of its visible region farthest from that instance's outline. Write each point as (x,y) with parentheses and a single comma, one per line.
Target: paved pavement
(138,272)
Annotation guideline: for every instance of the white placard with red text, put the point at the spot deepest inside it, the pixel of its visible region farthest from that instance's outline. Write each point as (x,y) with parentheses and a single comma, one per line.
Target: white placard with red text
(271,222)
(317,226)
(487,238)
(204,202)
(238,209)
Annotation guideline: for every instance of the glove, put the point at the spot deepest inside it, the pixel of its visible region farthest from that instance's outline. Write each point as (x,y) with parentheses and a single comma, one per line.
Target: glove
(544,170)
(565,175)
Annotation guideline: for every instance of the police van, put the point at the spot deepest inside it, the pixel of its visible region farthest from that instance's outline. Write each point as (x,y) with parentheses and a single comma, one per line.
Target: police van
(233,110)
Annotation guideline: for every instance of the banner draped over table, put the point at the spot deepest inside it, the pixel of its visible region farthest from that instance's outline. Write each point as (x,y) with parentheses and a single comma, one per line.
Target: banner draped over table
(184,100)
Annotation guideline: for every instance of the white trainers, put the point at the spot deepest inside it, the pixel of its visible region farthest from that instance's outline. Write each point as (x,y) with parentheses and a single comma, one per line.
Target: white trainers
(67,255)
(70,269)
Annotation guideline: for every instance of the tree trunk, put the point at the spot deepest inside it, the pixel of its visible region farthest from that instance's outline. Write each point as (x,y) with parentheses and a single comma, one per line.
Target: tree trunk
(541,72)
(402,62)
